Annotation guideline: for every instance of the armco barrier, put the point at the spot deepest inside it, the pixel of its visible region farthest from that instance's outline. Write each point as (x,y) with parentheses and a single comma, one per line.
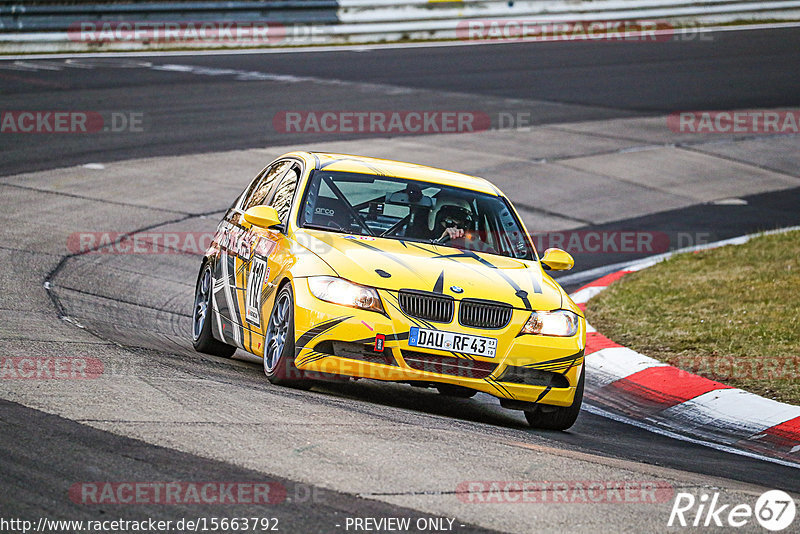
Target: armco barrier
(42,26)
(53,17)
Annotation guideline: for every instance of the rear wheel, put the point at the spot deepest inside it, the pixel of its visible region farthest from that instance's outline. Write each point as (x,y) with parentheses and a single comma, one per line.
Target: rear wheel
(557,417)
(202,338)
(451,390)
(279,344)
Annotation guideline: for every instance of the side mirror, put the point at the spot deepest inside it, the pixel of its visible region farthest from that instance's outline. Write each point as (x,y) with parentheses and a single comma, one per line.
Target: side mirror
(557,259)
(262,216)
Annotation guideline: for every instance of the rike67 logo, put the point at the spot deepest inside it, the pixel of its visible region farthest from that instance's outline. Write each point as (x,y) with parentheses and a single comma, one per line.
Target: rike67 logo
(774,510)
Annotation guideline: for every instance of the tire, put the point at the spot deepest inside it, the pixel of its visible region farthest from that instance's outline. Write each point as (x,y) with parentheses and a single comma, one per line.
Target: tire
(279,344)
(557,417)
(202,338)
(451,390)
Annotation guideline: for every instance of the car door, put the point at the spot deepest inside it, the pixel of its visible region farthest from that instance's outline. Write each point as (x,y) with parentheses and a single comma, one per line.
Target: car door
(237,243)
(269,257)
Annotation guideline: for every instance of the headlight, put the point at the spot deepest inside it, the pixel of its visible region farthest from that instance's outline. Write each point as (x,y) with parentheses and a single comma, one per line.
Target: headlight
(560,323)
(340,291)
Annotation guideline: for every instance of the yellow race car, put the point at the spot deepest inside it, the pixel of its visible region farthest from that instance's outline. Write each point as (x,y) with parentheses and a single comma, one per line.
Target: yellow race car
(347,266)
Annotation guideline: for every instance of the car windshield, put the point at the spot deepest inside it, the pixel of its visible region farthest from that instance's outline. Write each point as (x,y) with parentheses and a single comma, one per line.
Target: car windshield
(410,210)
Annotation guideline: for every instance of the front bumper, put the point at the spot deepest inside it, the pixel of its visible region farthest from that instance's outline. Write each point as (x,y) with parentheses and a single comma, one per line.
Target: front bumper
(340,340)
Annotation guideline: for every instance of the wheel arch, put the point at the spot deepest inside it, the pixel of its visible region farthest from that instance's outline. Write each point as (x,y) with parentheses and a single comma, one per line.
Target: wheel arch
(286,279)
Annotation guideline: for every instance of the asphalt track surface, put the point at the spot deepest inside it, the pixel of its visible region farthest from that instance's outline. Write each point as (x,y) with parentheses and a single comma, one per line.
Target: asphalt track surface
(186,112)
(189,112)
(37,476)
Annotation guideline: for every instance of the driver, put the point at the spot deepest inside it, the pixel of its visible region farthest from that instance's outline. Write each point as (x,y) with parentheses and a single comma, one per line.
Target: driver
(453,217)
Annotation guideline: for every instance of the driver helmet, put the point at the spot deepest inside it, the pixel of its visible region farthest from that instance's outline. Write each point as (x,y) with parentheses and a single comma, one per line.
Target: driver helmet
(450,211)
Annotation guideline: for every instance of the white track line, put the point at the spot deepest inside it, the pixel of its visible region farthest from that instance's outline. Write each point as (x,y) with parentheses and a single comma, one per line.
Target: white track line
(674,435)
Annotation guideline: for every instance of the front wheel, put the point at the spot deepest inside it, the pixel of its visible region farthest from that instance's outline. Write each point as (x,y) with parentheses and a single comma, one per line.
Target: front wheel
(202,338)
(557,417)
(279,344)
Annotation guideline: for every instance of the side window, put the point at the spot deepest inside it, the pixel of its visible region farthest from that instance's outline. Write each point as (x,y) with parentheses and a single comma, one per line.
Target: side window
(284,193)
(262,186)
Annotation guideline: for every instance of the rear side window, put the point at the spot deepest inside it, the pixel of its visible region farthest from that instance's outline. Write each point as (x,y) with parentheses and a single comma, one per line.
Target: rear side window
(284,193)
(261,187)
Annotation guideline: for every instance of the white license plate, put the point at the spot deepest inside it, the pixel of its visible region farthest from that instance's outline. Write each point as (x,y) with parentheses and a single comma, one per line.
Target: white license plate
(465,343)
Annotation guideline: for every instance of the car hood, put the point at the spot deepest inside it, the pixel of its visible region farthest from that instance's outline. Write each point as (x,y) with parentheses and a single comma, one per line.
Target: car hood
(420,266)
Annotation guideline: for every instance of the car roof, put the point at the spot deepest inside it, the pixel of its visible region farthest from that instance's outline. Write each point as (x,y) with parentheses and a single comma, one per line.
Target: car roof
(399,169)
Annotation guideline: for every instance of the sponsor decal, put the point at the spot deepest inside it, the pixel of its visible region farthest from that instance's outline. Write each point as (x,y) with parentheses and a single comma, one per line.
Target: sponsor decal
(265,247)
(259,274)
(380,340)
(236,240)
